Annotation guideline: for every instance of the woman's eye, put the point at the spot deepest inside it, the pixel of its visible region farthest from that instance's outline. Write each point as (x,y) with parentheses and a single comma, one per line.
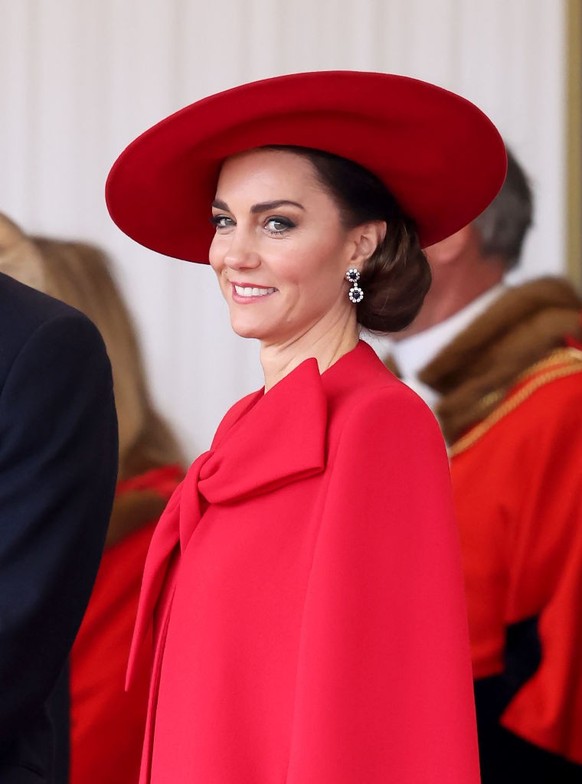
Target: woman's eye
(278,225)
(221,221)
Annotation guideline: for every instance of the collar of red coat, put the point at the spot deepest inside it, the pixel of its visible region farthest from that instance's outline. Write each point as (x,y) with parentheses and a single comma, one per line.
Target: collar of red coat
(264,442)
(267,444)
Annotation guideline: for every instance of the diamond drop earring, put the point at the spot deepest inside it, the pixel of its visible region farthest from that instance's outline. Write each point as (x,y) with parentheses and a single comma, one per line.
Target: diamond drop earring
(355,293)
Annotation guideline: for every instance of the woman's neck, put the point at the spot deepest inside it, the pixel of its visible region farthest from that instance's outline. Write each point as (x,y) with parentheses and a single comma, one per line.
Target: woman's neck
(280,359)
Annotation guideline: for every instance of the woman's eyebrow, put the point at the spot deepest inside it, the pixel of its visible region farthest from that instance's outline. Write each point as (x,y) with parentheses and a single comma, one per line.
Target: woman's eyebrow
(263,206)
(272,205)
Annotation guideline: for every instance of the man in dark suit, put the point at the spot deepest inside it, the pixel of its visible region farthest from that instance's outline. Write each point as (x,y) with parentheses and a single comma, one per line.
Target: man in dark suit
(58,465)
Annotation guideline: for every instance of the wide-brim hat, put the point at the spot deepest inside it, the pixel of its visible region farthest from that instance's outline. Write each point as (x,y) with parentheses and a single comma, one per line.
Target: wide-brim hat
(437,153)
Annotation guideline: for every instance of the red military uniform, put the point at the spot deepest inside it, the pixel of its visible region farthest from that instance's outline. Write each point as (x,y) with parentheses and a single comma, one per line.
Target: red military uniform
(512,413)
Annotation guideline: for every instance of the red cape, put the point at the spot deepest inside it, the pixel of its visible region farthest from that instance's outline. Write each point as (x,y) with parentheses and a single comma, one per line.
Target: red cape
(307,588)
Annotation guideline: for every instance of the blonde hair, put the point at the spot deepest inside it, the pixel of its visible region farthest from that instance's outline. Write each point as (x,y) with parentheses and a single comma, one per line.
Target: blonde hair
(79,274)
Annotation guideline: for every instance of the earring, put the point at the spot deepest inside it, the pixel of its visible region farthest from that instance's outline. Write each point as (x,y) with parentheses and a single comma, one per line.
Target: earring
(355,293)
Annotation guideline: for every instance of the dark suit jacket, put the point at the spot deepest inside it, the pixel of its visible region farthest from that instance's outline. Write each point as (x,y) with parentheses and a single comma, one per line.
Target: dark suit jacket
(58,464)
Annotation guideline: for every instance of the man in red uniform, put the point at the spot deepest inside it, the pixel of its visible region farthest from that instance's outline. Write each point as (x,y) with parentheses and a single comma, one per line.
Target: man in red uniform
(501,367)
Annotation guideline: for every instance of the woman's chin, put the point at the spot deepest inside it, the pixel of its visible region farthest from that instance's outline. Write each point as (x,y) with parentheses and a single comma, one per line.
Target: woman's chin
(246,330)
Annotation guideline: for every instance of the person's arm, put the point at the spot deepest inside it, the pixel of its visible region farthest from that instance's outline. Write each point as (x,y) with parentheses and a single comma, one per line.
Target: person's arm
(58,464)
(384,683)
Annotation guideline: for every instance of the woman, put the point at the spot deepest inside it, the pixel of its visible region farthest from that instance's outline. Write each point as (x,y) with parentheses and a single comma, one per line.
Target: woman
(304,584)
(106,723)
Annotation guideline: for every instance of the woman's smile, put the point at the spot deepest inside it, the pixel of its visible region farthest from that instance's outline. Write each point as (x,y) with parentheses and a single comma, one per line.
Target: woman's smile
(247,293)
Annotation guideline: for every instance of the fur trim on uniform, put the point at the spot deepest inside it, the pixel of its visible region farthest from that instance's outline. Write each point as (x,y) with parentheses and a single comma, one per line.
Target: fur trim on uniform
(475,371)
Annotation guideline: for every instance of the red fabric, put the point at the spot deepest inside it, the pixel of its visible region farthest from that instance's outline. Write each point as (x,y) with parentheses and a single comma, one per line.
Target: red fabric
(518,494)
(107,724)
(438,154)
(311,628)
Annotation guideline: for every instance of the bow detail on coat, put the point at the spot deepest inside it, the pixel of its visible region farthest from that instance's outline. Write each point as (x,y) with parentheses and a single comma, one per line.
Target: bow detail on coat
(240,463)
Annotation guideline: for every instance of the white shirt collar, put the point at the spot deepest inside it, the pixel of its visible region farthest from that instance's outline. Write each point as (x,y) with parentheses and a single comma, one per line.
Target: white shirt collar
(414,353)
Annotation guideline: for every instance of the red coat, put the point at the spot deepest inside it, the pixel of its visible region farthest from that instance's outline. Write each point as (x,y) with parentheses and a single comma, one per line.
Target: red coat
(307,588)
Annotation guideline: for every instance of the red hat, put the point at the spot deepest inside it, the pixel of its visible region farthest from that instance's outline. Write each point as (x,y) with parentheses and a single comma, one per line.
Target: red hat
(437,153)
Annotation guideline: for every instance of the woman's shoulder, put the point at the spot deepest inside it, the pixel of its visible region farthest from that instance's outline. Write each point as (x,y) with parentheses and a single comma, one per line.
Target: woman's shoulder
(376,403)
(364,385)
(391,403)
(378,426)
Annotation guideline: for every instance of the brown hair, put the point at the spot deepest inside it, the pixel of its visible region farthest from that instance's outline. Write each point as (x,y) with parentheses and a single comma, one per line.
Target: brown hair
(396,277)
(79,274)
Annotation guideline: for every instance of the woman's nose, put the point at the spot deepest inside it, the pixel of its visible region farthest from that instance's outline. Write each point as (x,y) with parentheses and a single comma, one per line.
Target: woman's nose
(241,252)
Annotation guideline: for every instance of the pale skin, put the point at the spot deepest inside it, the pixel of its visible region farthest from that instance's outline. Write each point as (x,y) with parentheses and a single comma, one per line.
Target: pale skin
(460,274)
(280,254)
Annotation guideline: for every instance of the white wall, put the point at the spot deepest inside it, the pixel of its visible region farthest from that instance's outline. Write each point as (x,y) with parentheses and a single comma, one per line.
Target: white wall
(80,78)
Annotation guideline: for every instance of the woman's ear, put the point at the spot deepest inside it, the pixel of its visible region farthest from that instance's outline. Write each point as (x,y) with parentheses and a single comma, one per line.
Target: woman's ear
(367,237)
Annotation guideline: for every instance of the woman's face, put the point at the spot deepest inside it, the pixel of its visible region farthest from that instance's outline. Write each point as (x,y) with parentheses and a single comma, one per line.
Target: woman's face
(280,251)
